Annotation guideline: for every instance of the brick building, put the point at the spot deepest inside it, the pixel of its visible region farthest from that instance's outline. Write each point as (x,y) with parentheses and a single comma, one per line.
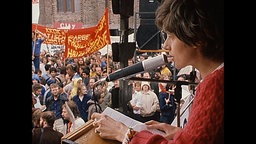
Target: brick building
(88,12)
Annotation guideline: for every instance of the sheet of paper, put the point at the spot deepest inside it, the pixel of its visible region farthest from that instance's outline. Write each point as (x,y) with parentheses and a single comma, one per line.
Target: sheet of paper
(136,125)
(38,104)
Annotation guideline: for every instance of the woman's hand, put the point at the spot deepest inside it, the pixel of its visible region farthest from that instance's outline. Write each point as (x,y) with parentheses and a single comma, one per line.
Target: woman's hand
(108,128)
(169,130)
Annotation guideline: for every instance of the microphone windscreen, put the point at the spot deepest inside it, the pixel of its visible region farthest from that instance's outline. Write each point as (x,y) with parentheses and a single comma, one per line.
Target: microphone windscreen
(153,63)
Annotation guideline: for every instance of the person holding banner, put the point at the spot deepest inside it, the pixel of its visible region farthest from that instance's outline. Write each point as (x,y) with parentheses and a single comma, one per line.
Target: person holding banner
(37,40)
(195,36)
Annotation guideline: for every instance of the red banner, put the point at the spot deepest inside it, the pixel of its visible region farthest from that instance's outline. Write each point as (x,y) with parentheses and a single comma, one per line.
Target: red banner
(55,36)
(79,42)
(86,41)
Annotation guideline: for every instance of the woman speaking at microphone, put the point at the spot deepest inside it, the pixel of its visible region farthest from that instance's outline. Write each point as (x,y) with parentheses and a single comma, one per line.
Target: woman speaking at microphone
(195,37)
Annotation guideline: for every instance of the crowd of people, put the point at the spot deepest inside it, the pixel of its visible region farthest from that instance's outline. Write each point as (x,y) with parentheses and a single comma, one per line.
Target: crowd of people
(59,81)
(64,94)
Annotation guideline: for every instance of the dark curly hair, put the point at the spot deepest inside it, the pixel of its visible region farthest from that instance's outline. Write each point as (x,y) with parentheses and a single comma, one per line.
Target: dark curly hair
(195,22)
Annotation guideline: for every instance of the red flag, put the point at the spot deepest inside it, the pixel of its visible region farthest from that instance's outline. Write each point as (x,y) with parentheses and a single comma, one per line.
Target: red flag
(55,36)
(103,28)
(83,42)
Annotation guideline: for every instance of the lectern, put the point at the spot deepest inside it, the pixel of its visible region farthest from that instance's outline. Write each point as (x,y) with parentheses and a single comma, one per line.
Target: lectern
(85,135)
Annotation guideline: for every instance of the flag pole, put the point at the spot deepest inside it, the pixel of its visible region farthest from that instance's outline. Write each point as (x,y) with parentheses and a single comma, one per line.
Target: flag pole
(107,61)
(34,44)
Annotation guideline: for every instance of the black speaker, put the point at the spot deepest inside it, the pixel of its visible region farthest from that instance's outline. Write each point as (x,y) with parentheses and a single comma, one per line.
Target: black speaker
(147,9)
(114,32)
(123,7)
(115,97)
(115,6)
(148,37)
(126,50)
(123,51)
(115,51)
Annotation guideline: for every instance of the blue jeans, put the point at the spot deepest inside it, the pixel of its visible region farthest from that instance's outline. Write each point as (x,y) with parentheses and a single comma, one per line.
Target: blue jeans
(36,61)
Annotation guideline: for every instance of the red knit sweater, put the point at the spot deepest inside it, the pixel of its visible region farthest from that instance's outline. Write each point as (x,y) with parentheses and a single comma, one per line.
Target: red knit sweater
(206,120)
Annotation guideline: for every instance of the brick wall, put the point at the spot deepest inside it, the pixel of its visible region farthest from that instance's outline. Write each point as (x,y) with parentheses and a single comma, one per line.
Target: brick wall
(90,14)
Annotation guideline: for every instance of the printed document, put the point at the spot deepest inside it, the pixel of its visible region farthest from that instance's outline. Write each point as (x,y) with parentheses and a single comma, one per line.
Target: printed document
(129,122)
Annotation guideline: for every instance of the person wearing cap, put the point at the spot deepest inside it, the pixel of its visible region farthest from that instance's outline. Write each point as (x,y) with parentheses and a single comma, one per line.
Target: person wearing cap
(146,101)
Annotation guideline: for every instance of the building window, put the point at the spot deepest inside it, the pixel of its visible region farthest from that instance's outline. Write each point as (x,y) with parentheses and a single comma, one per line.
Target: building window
(68,5)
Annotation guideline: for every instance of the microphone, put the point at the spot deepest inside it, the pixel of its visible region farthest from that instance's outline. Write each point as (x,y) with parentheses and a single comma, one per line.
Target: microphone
(143,66)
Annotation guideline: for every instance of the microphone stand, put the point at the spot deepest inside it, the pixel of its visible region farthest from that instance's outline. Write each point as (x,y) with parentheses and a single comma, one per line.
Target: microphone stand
(192,77)
(177,96)
(178,90)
